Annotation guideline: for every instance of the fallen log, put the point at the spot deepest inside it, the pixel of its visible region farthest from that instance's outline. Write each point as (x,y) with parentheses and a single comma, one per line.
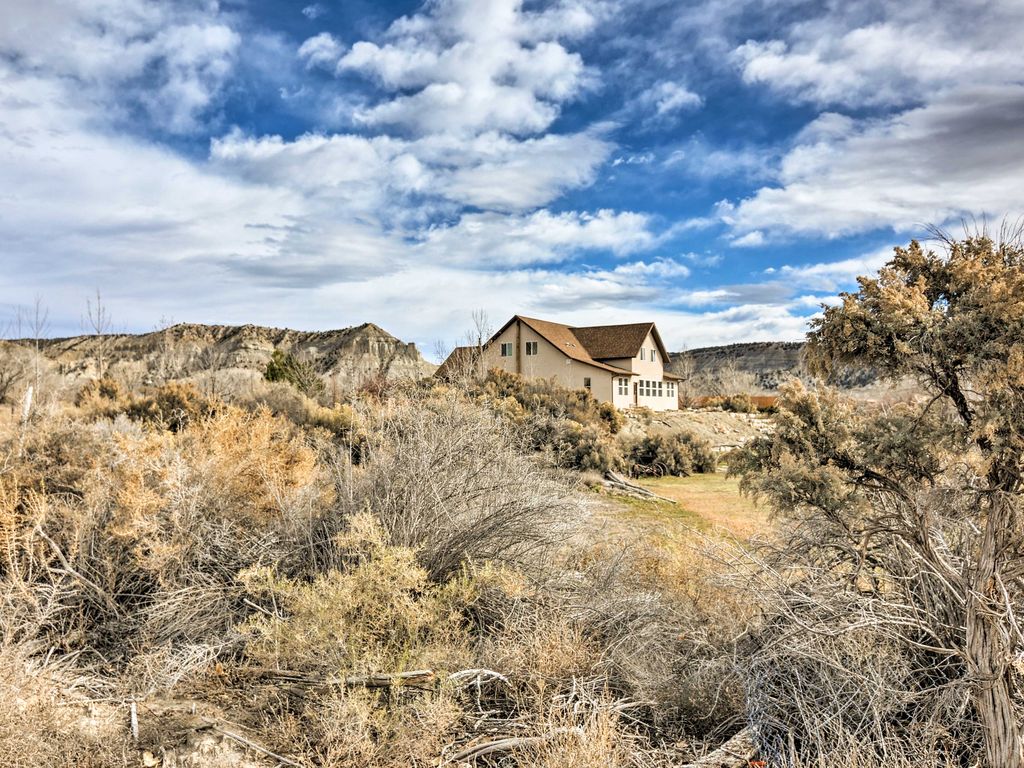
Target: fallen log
(618,482)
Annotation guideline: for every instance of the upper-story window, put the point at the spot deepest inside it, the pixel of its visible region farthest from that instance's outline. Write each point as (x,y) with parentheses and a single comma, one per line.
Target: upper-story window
(506,349)
(642,353)
(653,353)
(531,347)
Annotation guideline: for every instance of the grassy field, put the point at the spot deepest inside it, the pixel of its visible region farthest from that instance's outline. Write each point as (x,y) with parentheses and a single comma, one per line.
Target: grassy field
(710,502)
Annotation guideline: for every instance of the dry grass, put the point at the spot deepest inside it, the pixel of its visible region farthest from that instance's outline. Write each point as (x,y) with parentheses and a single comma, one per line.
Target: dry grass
(715,500)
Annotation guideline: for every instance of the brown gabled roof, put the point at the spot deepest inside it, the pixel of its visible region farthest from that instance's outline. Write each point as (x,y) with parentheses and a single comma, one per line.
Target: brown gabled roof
(609,342)
(564,339)
(458,362)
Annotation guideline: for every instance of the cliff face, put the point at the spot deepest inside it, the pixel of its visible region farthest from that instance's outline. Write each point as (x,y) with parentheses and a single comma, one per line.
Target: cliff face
(349,354)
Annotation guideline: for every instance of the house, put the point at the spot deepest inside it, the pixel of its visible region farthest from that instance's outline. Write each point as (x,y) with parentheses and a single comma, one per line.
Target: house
(619,364)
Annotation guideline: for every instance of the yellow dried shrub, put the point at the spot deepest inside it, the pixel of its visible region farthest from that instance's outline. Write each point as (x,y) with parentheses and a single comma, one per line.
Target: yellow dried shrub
(379,614)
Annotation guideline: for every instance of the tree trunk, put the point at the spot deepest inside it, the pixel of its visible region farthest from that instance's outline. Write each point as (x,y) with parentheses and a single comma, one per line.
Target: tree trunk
(986,652)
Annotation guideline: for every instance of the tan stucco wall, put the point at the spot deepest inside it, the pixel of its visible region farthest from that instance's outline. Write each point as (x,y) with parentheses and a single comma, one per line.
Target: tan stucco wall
(552,363)
(646,370)
(548,363)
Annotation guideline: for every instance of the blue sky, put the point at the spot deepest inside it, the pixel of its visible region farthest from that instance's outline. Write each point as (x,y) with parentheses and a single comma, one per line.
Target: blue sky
(722,168)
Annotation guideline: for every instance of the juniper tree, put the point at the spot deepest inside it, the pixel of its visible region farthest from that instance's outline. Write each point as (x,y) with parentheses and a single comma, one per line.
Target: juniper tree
(914,511)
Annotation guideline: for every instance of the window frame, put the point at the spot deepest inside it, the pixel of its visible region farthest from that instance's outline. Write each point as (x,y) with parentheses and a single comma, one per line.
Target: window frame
(532,348)
(587,384)
(507,349)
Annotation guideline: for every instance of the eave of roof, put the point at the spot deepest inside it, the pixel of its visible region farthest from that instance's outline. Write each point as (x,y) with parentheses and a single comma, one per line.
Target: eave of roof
(563,338)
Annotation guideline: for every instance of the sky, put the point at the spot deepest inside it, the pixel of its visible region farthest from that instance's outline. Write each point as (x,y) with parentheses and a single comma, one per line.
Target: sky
(722,168)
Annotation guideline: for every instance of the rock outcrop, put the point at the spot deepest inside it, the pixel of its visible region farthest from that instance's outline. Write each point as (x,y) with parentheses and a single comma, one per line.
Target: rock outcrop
(348,355)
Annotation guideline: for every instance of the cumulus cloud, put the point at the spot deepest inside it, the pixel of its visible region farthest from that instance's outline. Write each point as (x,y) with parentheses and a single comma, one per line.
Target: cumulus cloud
(321,50)
(491,171)
(170,61)
(892,54)
(469,66)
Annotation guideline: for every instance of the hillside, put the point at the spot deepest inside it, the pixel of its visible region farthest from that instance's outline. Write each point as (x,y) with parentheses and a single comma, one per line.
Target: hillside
(349,354)
(765,364)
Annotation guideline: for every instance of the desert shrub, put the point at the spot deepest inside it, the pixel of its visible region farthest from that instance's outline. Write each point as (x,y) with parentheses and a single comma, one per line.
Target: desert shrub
(584,447)
(545,398)
(612,417)
(569,424)
(162,523)
(378,613)
(43,726)
(301,374)
(669,453)
(738,403)
(172,406)
(101,397)
(341,420)
(450,479)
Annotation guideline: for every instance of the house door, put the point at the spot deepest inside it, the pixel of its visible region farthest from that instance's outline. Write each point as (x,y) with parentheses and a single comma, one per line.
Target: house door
(636,394)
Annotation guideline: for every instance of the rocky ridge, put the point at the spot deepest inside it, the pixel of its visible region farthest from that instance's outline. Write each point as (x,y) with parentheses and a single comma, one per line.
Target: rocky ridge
(188,349)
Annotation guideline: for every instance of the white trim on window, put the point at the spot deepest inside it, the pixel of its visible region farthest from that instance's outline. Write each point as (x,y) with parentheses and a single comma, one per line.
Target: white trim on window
(506,348)
(531,347)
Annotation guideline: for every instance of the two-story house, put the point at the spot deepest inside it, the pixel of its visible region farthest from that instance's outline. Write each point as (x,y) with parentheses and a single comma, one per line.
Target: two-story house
(619,364)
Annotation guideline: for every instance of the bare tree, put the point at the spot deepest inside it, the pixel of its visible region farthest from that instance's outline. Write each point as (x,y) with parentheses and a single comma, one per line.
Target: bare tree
(37,321)
(169,354)
(97,319)
(685,367)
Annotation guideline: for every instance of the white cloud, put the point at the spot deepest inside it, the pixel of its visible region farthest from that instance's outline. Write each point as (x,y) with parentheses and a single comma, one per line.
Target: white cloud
(959,155)
(892,54)
(321,50)
(749,240)
(470,66)
(314,11)
(491,171)
(493,240)
(668,98)
(171,60)
(829,276)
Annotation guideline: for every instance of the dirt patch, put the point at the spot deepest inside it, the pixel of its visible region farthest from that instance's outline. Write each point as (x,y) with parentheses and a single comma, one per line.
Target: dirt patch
(723,429)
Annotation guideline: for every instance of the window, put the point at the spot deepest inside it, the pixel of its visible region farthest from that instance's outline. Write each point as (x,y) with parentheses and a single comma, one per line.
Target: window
(531,347)
(641,353)
(659,389)
(623,386)
(654,352)
(506,349)
(586,383)
(670,388)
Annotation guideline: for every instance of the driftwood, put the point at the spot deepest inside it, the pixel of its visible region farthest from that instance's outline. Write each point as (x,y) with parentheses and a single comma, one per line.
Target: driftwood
(737,752)
(419,678)
(622,484)
(510,744)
